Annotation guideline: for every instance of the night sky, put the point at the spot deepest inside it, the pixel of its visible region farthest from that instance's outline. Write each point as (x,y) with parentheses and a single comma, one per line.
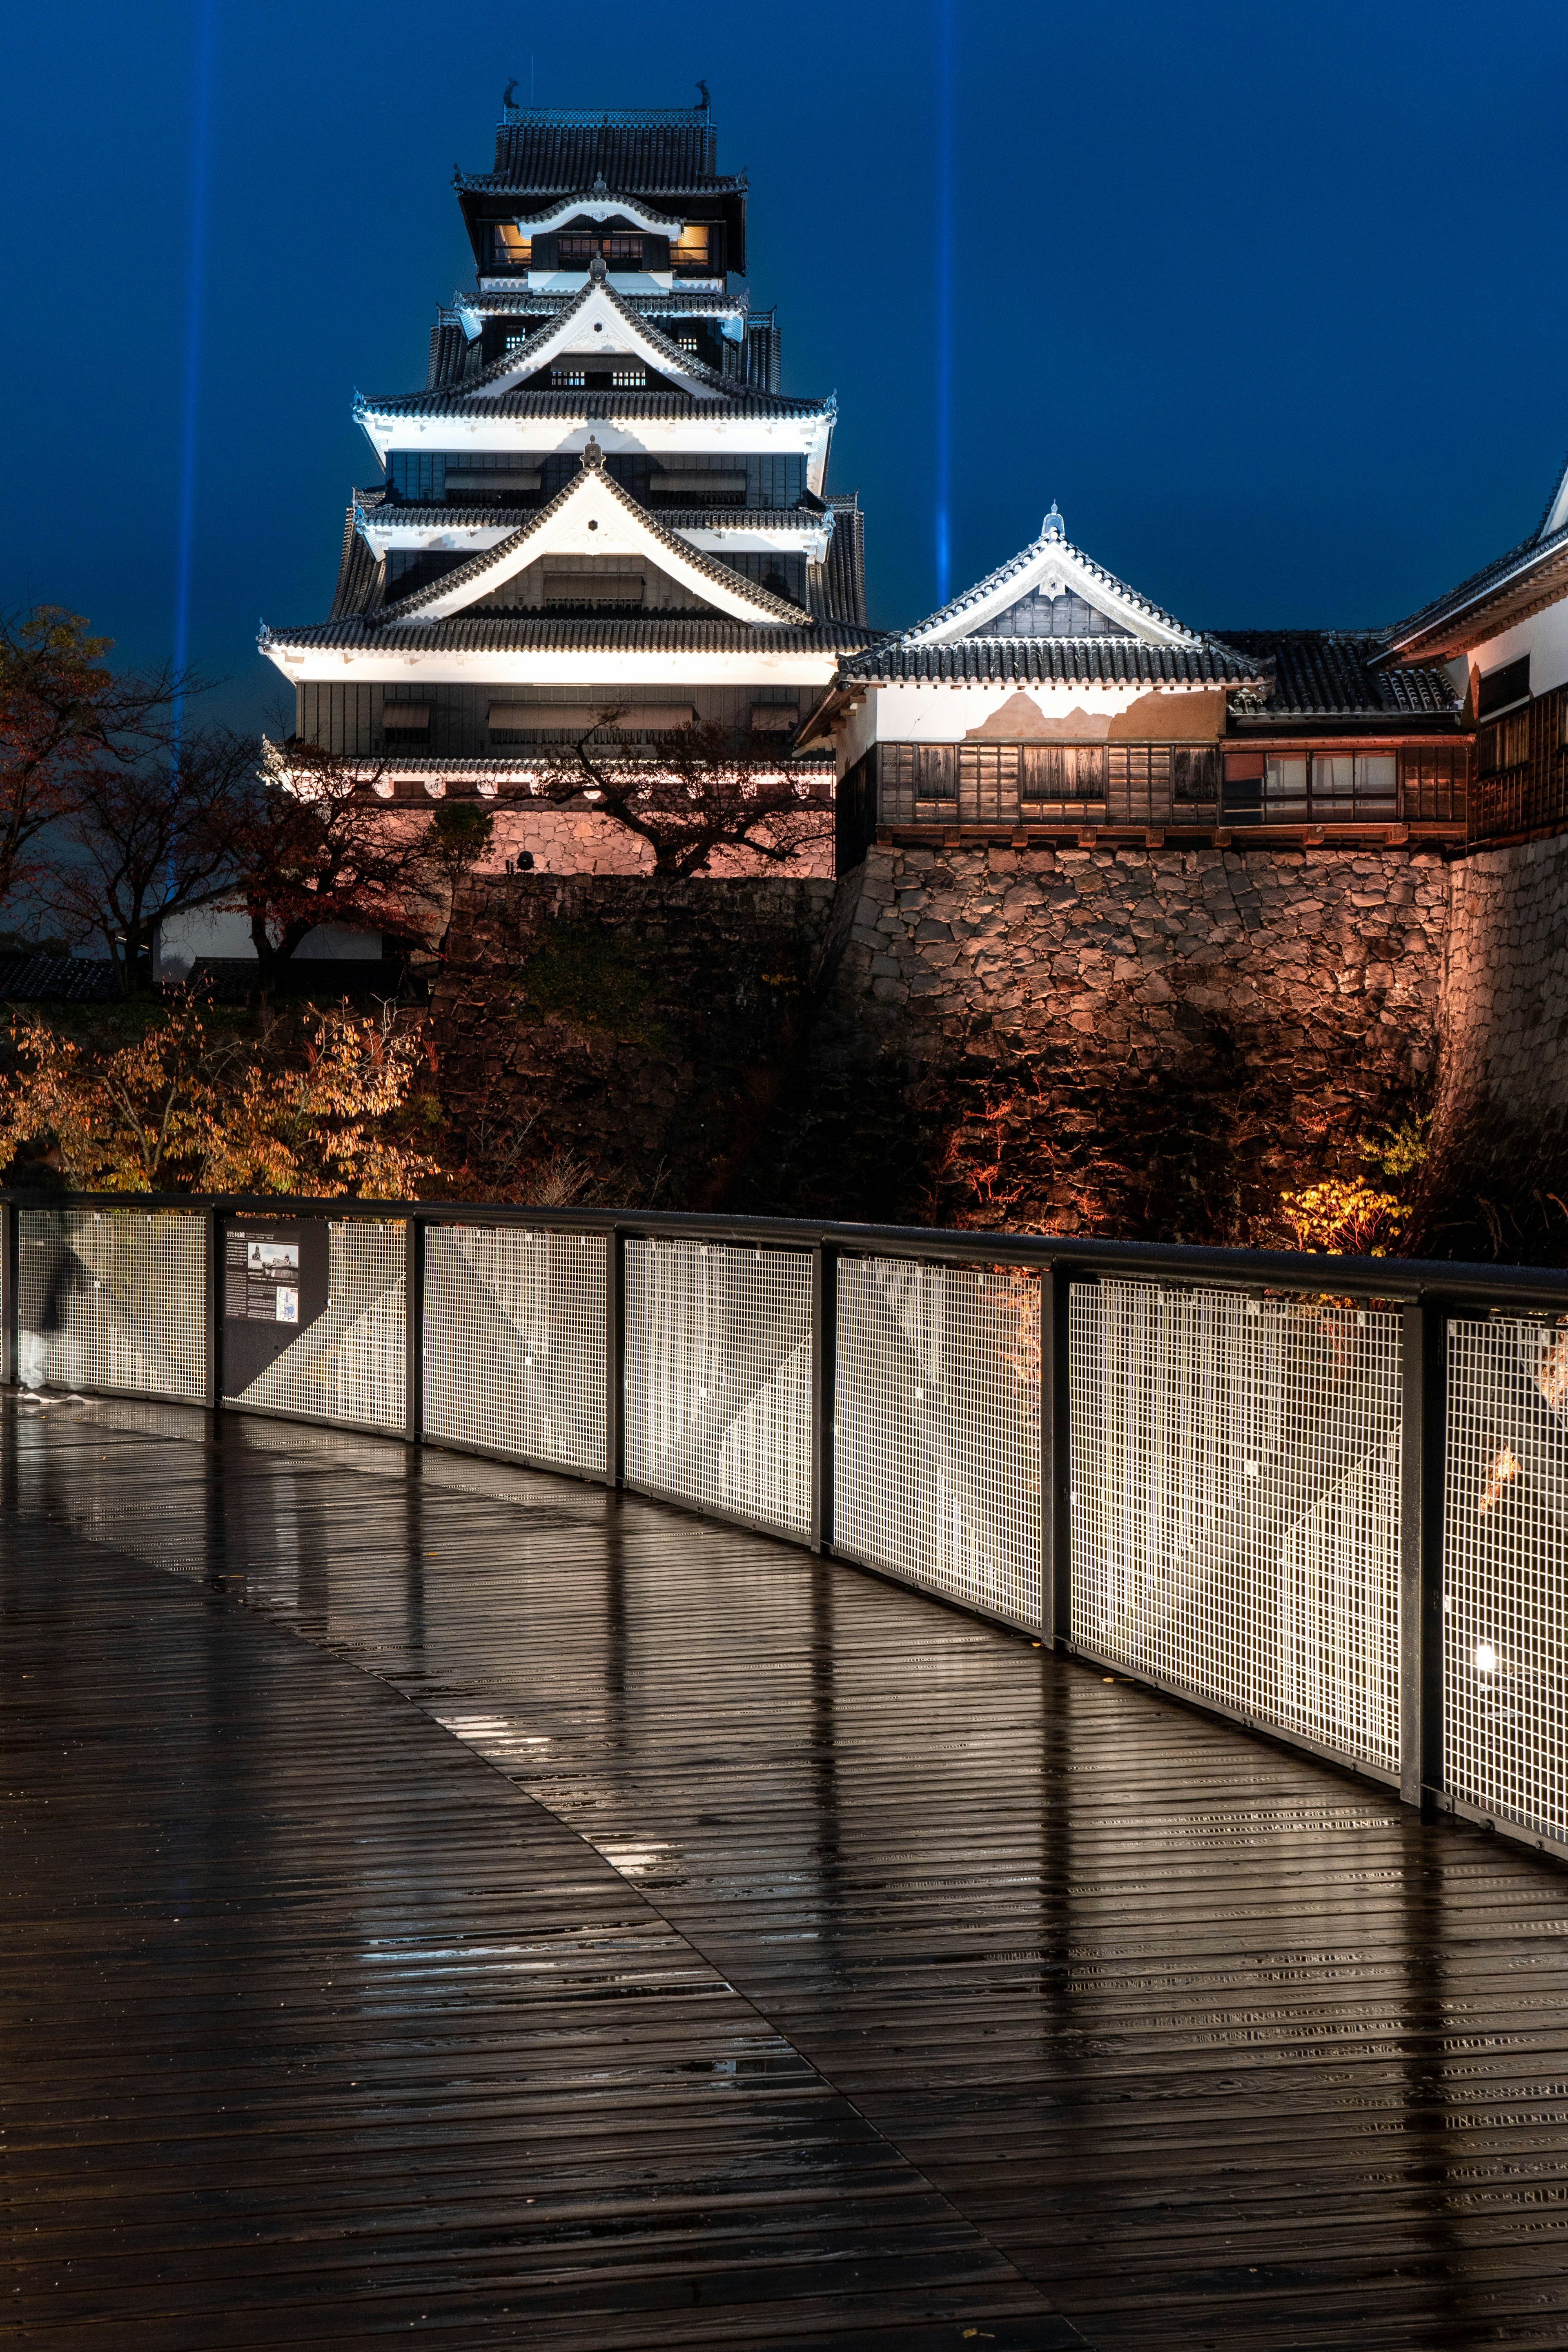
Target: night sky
(1270,299)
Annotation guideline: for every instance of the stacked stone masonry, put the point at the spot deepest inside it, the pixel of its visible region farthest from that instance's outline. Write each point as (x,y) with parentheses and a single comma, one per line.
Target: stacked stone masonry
(1141,1040)
(1499,1169)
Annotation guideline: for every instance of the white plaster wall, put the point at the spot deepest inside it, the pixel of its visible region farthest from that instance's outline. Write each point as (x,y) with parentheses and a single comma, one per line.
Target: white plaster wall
(1543,636)
(225,931)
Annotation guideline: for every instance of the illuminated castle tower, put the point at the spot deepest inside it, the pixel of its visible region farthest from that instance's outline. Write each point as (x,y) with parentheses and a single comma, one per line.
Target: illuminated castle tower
(599,498)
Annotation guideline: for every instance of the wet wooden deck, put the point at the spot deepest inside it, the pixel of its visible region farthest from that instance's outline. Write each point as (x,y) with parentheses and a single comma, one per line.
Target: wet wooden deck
(536,1917)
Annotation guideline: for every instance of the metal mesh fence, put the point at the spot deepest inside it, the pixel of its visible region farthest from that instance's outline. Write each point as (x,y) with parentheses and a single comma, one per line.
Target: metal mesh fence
(351,1363)
(937,1429)
(514,1342)
(1505,1599)
(113,1298)
(1234,1482)
(717,1378)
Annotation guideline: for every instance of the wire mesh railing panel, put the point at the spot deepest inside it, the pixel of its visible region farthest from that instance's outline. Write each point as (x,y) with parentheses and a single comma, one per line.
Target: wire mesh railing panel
(1505,1599)
(717,1378)
(113,1298)
(349,1362)
(514,1343)
(936,1447)
(1235,1497)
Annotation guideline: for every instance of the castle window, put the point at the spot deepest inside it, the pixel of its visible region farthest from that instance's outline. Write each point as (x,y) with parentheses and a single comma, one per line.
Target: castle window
(593,579)
(1504,745)
(1500,687)
(568,376)
(509,246)
(628,378)
(616,252)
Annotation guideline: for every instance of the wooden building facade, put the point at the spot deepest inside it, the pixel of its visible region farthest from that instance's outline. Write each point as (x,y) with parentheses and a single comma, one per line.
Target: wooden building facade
(1053,702)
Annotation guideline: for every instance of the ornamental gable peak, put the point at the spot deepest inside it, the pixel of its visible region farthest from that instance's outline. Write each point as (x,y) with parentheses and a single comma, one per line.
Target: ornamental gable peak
(594,520)
(1052,589)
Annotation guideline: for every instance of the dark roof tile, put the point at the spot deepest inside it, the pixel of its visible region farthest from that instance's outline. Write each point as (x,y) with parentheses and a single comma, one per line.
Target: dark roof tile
(1327,674)
(1051,661)
(519,633)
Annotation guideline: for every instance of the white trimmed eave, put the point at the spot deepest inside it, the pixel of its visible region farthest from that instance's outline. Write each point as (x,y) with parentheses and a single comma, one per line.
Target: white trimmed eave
(617,666)
(1059,568)
(593,516)
(714,430)
(599,323)
(809,537)
(599,208)
(386,529)
(382,535)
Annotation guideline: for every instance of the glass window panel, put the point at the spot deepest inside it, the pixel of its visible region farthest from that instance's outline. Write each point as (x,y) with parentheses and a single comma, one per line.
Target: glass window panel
(1285,787)
(1334,776)
(1378,776)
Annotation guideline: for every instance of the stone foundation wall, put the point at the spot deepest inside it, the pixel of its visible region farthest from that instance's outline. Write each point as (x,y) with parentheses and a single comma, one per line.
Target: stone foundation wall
(1497,1173)
(1147,1042)
(640,1029)
(1153,1041)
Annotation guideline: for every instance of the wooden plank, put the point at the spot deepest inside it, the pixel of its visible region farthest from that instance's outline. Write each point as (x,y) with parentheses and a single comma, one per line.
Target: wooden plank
(885,1944)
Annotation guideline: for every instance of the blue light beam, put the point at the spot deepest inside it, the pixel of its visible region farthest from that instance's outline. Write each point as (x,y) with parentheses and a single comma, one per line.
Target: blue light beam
(944,135)
(195,281)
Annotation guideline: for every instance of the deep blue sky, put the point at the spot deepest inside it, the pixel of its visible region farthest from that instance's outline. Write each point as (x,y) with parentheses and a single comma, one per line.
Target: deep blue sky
(1269,299)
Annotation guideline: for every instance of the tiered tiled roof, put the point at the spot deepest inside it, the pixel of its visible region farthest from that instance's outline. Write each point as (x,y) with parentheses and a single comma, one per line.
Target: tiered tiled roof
(473,573)
(983,592)
(1052,661)
(786,519)
(645,150)
(523,361)
(1328,674)
(1524,581)
(503,633)
(495,303)
(361,573)
(583,406)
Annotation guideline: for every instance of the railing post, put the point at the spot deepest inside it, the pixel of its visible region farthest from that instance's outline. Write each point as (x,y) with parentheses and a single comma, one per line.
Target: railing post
(215,1281)
(824,1398)
(616,1360)
(1423,1333)
(1056,1458)
(413,1319)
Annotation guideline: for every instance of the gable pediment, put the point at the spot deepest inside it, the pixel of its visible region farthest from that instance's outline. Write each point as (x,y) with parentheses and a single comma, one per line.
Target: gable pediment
(1052,590)
(600,327)
(595,523)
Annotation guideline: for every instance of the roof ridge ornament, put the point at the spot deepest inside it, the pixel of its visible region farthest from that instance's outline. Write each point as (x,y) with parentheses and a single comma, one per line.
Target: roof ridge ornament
(597,273)
(1053,526)
(592,455)
(601,185)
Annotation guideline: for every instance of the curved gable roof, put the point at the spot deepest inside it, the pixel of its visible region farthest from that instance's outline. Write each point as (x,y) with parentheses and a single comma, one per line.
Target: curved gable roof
(597,308)
(1052,562)
(557,527)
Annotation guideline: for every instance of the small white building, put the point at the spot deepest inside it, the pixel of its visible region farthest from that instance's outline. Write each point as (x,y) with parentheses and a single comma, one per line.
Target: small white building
(1503,636)
(219,929)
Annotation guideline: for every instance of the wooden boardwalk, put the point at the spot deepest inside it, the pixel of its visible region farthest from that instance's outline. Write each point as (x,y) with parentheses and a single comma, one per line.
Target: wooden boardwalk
(537,1917)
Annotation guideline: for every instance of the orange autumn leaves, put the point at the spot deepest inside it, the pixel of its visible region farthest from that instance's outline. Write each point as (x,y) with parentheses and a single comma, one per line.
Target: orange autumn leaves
(183,1109)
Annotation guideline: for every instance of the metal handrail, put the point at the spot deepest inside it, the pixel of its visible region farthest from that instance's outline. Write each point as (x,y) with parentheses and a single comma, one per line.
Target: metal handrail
(1282,1455)
(1310,1272)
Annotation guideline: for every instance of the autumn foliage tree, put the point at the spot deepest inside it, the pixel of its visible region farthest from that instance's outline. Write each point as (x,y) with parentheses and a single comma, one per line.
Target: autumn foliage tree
(315,845)
(701,796)
(61,712)
(151,829)
(188,1109)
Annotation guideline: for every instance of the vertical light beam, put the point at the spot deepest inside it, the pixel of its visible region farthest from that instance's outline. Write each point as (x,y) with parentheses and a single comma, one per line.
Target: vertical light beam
(944,134)
(206,13)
